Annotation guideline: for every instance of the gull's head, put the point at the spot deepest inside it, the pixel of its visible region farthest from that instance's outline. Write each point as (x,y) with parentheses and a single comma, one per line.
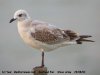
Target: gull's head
(20,15)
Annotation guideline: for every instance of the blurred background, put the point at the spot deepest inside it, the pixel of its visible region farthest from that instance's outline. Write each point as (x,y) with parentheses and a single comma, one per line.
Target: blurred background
(82,16)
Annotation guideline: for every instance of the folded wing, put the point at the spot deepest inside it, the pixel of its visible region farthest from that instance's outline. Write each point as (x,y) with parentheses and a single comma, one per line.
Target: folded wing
(49,34)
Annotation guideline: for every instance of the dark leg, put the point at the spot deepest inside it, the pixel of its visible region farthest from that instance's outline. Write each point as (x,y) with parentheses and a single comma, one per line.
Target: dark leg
(42,64)
(41,70)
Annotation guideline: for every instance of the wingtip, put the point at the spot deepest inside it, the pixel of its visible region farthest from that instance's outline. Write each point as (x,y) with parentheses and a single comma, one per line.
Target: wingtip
(85,36)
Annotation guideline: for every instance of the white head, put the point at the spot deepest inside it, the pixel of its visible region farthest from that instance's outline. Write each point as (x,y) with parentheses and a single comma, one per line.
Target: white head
(20,15)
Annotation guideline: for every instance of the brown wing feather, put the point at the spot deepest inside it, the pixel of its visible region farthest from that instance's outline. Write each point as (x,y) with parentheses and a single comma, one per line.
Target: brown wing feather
(44,36)
(53,36)
(49,34)
(71,34)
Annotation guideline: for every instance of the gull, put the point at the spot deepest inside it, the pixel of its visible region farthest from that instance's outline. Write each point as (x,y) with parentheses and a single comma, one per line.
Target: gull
(44,36)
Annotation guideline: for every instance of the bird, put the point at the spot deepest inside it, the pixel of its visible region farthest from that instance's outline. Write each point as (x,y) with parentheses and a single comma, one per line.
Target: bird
(44,36)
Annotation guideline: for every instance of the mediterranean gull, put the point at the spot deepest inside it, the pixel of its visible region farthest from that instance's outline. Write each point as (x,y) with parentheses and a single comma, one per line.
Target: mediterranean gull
(44,36)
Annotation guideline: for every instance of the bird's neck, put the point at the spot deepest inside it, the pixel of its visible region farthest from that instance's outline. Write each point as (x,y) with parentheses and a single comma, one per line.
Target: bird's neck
(23,25)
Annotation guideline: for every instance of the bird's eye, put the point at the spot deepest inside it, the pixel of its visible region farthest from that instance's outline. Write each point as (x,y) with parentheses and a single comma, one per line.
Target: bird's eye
(20,15)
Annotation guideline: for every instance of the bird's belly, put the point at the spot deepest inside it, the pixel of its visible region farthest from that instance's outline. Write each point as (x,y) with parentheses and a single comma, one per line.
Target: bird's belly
(28,39)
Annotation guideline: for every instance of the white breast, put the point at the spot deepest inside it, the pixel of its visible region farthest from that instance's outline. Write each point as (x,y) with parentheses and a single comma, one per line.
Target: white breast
(24,32)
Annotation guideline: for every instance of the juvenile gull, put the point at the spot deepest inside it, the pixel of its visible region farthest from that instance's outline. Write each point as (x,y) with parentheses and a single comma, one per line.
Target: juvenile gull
(44,36)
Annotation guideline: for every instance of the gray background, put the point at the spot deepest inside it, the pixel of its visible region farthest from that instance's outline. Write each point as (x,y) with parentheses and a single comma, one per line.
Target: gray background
(82,16)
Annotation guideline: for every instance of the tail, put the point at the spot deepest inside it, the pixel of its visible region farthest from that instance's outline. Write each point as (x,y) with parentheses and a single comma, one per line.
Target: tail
(82,38)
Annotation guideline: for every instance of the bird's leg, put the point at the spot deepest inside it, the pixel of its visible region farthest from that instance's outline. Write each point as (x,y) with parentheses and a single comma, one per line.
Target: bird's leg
(42,64)
(41,70)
